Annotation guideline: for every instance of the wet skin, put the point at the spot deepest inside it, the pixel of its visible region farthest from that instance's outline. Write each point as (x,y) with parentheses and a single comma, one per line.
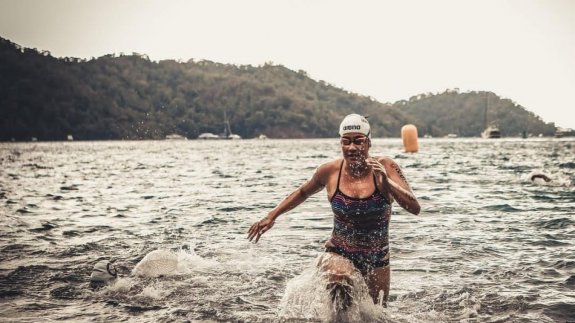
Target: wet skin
(357,182)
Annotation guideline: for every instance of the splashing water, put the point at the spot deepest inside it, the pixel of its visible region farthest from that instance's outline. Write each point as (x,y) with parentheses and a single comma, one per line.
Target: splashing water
(489,245)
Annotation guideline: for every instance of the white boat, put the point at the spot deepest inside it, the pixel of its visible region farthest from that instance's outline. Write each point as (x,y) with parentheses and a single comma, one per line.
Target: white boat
(491,132)
(175,137)
(228,134)
(208,135)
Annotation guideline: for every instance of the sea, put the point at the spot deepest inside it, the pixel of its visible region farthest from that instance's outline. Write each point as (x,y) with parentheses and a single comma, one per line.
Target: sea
(171,218)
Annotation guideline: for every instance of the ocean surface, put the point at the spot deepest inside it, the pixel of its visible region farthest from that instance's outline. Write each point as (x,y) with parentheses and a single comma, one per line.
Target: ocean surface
(489,245)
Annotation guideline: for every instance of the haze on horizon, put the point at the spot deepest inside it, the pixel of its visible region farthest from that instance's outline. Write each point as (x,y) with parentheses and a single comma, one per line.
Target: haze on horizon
(523,50)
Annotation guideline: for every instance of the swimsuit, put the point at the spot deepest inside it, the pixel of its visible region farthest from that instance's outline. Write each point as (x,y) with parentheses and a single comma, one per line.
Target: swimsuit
(360,228)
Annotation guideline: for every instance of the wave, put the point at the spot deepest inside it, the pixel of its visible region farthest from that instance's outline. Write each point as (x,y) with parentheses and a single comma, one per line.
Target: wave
(560,311)
(559,223)
(501,208)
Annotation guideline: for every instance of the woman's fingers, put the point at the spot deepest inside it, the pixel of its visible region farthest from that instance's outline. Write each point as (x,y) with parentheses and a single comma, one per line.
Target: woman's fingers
(257,229)
(377,166)
(254,229)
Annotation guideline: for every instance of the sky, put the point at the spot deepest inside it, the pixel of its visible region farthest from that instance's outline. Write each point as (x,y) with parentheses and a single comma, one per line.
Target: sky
(523,50)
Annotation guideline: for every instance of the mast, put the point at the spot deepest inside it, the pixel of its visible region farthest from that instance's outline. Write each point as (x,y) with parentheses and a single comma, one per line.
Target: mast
(485,123)
(228,129)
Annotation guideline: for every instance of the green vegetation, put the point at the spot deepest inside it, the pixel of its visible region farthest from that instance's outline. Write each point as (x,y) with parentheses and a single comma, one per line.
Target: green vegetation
(131,97)
(468,114)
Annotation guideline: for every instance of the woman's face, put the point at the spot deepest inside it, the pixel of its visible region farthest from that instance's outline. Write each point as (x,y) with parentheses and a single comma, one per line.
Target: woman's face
(355,148)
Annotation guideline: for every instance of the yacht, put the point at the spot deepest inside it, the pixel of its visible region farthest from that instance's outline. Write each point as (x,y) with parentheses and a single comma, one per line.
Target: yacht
(175,137)
(491,132)
(208,135)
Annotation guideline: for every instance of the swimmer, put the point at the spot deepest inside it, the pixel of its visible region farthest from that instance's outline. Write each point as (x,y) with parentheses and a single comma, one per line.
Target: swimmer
(361,190)
(103,273)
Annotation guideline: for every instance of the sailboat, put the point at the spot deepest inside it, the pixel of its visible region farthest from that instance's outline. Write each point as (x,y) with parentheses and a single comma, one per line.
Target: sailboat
(228,134)
(491,130)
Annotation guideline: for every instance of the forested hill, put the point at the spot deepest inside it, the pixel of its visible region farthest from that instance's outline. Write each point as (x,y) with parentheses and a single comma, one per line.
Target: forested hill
(131,97)
(468,114)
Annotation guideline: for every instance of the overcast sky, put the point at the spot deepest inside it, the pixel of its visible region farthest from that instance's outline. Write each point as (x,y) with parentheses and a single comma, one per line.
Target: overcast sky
(523,50)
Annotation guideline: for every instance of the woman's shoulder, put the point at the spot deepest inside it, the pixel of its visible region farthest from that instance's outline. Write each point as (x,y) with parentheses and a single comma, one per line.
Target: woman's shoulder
(330,166)
(386,160)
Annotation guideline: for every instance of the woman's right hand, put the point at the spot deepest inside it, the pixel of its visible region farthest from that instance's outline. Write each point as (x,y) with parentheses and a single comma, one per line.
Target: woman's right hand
(259,228)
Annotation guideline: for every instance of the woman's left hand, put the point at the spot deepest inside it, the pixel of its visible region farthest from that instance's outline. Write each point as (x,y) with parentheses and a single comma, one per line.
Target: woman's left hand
(377,167)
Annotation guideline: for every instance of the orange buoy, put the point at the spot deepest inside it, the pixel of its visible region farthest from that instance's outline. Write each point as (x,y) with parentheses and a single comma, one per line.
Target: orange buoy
(409,136)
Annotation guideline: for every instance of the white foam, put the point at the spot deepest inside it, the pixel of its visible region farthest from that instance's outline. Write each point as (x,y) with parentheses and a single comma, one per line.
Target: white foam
(168,263)
(307,298)
(157,263)
(154,293)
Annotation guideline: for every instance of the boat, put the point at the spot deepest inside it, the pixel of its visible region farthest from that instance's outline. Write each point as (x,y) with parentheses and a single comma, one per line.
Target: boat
(228,134)
(175,137)
(491,130)
(564,132)
(208,135)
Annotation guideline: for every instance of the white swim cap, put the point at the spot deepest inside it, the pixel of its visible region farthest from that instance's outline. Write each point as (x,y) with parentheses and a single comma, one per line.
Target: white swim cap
(354,123)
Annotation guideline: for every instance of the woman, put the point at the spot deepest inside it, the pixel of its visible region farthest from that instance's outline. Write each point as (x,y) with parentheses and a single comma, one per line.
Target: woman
(361,190)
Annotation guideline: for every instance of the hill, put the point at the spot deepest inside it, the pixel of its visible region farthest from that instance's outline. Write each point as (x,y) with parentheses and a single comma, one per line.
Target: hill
(468,114)
(131,97)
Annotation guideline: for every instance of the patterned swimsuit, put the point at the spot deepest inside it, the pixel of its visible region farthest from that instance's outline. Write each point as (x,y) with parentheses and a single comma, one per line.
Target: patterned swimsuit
(360,228)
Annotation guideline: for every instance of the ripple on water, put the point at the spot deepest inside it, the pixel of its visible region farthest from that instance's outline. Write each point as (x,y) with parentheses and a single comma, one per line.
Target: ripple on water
(558,223)
(477,264)
(501,208)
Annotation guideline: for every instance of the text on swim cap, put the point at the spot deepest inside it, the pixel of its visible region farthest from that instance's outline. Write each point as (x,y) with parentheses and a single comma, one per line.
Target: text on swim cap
(352,127)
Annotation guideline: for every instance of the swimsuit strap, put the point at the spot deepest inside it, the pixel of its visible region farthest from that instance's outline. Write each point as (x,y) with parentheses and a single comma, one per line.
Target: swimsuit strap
(339,176)
(375,184)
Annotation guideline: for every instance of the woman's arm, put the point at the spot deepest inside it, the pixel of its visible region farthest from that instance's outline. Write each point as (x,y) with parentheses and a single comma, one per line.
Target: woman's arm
(309,188)
(395,182)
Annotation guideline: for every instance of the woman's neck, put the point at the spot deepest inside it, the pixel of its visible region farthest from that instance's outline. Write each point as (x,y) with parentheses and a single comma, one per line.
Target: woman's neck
(358,170)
